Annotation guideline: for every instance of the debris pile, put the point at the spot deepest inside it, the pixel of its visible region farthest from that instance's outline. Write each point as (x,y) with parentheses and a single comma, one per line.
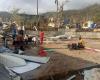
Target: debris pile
(18,63)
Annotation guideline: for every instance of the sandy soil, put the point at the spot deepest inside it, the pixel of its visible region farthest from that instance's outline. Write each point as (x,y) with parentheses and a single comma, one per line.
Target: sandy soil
(62,60)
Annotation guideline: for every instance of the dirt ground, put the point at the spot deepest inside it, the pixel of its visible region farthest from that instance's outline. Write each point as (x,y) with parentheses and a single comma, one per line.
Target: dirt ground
(89,55)
(64,61)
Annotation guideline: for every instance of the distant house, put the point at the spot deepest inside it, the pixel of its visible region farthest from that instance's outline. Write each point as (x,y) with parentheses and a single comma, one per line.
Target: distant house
(51,22)
(87,24)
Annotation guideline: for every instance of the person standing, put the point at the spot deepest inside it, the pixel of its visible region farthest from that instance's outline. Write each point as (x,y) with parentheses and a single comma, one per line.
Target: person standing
(19,43)
(34,40)
(26,39)
(5,44)
(41,37)
(21,30)
(14,30)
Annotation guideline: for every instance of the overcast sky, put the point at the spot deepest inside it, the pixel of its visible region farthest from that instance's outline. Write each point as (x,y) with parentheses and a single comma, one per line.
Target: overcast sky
(29,6)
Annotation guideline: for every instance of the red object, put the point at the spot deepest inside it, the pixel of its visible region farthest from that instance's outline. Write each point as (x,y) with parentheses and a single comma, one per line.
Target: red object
(41,37)
(91,49)
(42,52)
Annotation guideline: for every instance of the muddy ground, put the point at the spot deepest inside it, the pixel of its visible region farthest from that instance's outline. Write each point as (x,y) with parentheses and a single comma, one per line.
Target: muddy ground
(64,62)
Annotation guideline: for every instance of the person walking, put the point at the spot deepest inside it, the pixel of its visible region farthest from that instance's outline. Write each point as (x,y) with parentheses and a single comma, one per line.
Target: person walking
(41,37)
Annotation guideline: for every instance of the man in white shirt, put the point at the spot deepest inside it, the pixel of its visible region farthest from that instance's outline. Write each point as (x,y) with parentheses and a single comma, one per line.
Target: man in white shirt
(34,40)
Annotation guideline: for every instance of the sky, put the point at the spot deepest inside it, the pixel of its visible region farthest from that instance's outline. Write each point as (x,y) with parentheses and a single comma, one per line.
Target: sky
(29,6)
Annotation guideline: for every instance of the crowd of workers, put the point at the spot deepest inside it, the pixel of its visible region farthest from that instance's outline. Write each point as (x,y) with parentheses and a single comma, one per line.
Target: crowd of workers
(21,39)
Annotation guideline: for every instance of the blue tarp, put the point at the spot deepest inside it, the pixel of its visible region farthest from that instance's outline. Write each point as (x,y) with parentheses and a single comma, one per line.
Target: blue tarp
(4,49)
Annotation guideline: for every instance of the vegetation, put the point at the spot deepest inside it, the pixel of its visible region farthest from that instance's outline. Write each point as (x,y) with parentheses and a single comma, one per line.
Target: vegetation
(90,13)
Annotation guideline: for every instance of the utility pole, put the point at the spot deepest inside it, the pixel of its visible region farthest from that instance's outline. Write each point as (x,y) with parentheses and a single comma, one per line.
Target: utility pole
(37,17)
(37,8)
(37,14)
(59,12)
(57,5)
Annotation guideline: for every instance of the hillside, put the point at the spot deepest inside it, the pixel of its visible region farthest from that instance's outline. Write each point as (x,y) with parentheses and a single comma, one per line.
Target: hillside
(91,12)
(6,16)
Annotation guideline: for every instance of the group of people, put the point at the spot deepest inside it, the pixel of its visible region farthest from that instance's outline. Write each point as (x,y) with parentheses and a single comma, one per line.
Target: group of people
(20,39)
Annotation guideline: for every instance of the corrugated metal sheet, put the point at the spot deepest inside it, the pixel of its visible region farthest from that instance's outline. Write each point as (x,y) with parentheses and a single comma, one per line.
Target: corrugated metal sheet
(32,58)
(11,61)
